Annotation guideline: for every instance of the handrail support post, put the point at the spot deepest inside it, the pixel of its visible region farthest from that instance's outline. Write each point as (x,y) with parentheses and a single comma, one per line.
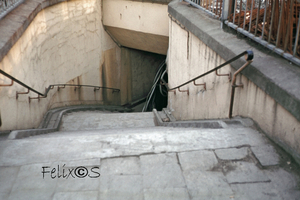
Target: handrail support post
(233,86)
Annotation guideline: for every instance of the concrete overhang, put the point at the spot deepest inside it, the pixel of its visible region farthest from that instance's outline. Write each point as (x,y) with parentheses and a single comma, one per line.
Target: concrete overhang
(142,25)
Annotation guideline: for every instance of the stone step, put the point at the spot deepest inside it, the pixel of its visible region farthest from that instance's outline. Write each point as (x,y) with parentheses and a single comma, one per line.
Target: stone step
(127,157)
(98,120)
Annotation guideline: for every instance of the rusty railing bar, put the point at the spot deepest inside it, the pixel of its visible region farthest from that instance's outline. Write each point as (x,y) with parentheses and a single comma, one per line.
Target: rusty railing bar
(229,75)
(288,26)
(279,24)
(257,16)
(50,86)
(239,20)
(264,22)
(271,24)
(17,93)
(7,85)
(200,84)
(251,16)
(187,91)
(235,3)
(233,86)
(245,15)
(58,88)
(19,82)
(249,57)
(297,37)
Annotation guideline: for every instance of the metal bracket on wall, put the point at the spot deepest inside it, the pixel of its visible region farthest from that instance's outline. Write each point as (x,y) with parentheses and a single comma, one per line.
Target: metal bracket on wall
(96,88)
(174,91)
(17,93)
(6,85)
(229,75)
(187,91)
(59,87)
(204,84)
(75,88)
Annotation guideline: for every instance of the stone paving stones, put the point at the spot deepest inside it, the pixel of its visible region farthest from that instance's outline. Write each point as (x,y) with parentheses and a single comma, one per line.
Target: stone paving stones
(77,184)
(8,176)
(150,163)
(232,153)
(266,155)
(122,187)
(282,180)
(166,194)
(255,191)
(102,120)
(207,185)
(31,194)
(243,172)
(90,195)
(161,171)
(197,160)
(120,166)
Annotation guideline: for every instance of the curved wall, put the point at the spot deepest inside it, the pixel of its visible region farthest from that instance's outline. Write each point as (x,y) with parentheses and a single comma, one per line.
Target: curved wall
(65,43)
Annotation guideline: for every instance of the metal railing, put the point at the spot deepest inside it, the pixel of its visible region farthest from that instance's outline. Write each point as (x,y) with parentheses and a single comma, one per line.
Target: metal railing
(8,5)
(213,7)
(275,24)
(249,58)
(44,95)
(274,21)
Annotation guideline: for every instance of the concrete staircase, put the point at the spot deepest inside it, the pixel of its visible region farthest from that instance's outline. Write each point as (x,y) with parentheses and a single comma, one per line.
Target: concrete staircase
(105,154)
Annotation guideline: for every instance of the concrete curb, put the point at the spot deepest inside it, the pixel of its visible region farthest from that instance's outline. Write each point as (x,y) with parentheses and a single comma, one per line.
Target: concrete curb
(160,119)
(52,119)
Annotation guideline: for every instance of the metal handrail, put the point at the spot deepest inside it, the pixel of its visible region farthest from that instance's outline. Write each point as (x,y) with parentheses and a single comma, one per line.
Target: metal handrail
(52,86)
(249,57)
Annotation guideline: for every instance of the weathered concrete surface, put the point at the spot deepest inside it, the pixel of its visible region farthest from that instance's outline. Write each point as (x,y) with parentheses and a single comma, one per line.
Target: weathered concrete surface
(142,163)
(97,120)
(269,95)
(60,45)
(232,154)
(140,25)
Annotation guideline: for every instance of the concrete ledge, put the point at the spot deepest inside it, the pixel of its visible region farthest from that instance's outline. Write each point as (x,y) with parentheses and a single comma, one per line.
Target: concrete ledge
(164,118)
(52,119)
(273,74)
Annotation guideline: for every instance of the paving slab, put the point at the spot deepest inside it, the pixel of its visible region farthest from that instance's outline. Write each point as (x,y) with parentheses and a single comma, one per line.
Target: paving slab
(8,176)
(266,155)
(141,163)
(232,153)
(291,195)
(282,180)
(159,170)
(121,166)
(77,184)
(91,120)
(91,195)
(4,195)
(166,194)
(207,185)
(122,187)
(31,194)
(245,172)
(256,191)
(120,142)
(197,160)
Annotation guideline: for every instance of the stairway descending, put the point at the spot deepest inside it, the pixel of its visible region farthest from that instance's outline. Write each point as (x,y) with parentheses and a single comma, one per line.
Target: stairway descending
(105,154)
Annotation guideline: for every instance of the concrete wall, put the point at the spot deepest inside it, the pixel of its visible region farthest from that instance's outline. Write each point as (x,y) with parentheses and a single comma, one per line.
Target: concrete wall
(65,43)
(189,57)
(138,24)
